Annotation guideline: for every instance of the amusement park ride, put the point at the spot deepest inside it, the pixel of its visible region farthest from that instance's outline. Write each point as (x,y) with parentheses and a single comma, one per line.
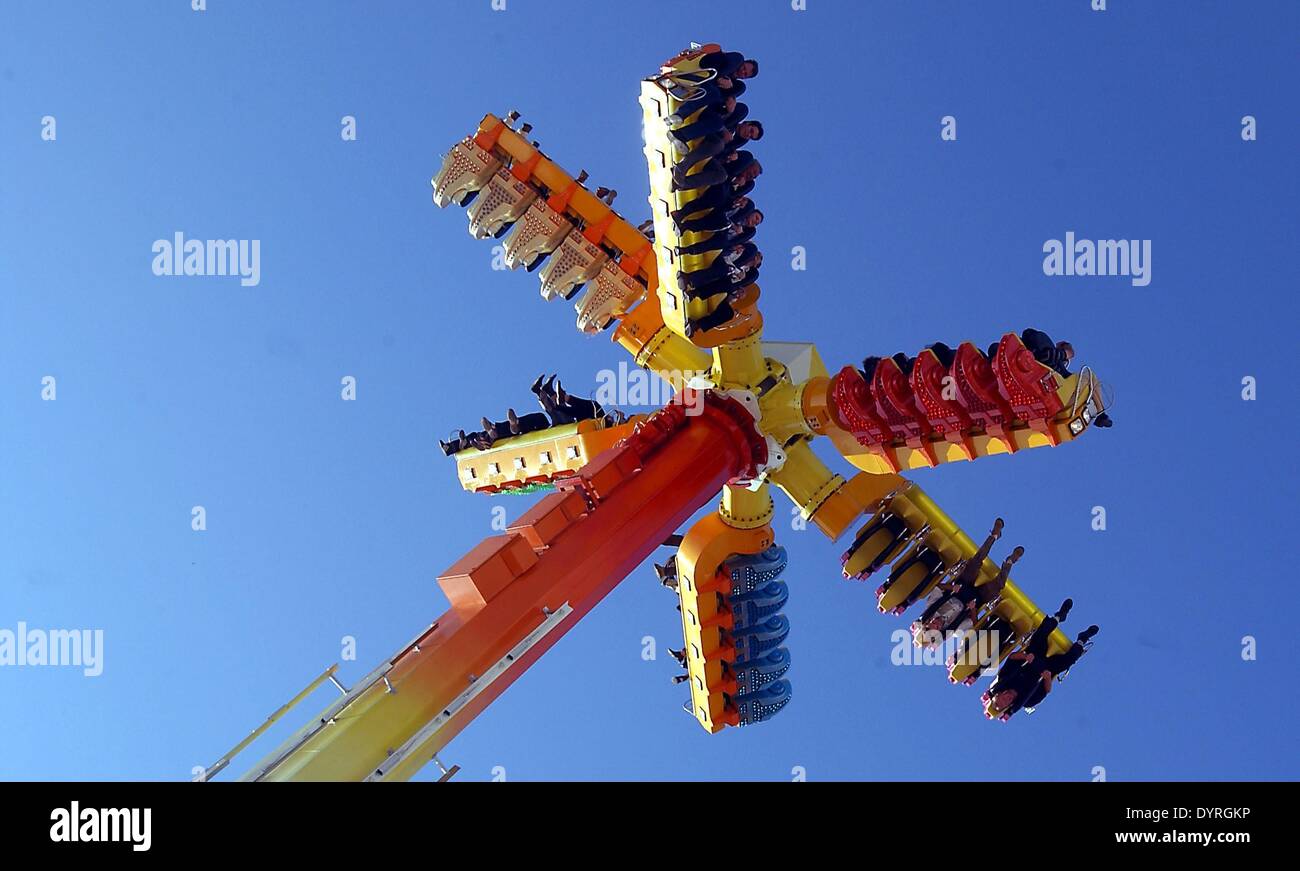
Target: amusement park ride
(621,488)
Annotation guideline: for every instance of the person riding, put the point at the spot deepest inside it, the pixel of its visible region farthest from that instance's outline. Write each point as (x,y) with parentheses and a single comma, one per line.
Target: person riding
(1027,675)
(1054,355)
(457,444)
(716,203)
(723,314)
(955,603)
(738,232)
(716,171)
(726,82)
(726,115)
(733,270)
(561,406)
(729,63)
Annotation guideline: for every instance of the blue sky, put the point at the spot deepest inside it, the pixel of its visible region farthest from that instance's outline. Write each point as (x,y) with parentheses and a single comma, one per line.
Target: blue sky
(329,518)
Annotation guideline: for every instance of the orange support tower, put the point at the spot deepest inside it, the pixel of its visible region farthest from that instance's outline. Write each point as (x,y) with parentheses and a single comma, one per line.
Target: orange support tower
(514,595)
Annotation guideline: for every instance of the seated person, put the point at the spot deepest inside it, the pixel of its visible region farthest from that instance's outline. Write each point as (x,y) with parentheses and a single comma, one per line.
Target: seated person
(727,115)
(693,98)
(479,440)
(667,573)
(734,257)
(531,422)
(729,63)
(496,430)
(725,311)
(1055,667)
(739,276)
(715,199)
(457,444)
(721,144)
(1035,647)
(549,397)
(944,353)
(737,169)
(743,186)
(954,606)
(1055,356)
(717,216)
(715,65)
(712,124)
(712,221)
(723,314)
(713,145)
(1031,683)
(869,368)
(750,131)
(1022,669)
(904,362)
(577,407)
(955,603)
(717,170)
(738,232)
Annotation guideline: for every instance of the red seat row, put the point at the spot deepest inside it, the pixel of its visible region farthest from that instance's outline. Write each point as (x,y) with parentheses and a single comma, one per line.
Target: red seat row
(947,402)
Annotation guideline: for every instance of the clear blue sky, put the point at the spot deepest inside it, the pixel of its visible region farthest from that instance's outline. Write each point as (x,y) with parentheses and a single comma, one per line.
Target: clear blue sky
(329,518)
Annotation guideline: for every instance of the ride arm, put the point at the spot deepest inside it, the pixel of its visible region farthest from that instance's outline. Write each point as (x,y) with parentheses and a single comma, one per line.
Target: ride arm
(546,208)
(921,521)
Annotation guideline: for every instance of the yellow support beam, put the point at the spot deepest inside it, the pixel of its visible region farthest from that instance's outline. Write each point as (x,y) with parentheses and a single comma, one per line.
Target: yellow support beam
(216,767)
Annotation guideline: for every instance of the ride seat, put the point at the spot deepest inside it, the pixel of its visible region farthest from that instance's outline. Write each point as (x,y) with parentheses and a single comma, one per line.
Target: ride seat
(576,262)
(964,667)
(502,203)
(465,170)
(751,611)
(762,705)
(752,642)
(1028,385)
(753,676)
(932,563)
(613,292)
(539,232)
(852,408)
(977,391)
(897,407)
(946,416)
